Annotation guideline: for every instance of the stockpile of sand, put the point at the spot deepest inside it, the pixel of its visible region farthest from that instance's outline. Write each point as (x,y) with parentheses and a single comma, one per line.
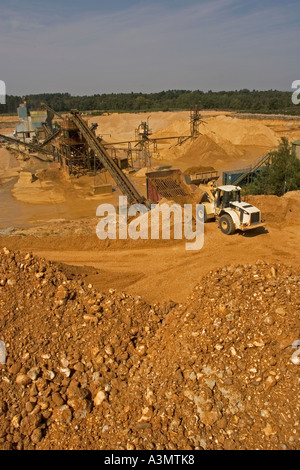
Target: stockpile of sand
(8,160)
(240,131)
(9,165)
(180,127)
(92,370)
(223,142)
(279,210)
(205,151)
(119,127)
(37,191)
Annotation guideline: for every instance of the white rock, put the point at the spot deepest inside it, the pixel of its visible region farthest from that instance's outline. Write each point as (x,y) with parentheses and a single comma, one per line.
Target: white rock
(99,398)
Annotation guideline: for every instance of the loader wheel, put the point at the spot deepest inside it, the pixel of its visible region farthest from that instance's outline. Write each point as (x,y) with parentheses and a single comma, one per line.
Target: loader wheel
(226,224)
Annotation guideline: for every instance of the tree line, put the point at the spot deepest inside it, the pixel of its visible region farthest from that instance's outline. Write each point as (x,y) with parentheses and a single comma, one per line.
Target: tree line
(265,102)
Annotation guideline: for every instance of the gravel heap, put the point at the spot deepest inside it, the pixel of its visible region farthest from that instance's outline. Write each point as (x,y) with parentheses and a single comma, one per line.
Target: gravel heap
(92,370)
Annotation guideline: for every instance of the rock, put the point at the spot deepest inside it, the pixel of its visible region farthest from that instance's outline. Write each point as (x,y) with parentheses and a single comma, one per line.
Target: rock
(36,436)
(30,423)
(192,376)
(229,445)
(62,293)
(23,379)
(65,371)
(33,373)
(270,382)
(15,422)
(91,318)
(48,375)
(57,399)
(141,349)
(81,407)
(99,398)
(280,311)
(62,414)
(64,362)
(143,425)
(147,414)
(3,407)
(269,430)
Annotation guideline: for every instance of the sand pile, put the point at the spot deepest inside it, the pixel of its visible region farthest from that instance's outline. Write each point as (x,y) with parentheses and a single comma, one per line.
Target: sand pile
(180,127)
(9,165)
(40,190)
(119,127)
(224,142)
(279,210)
(92,370)
(240,131)
(7,160)
(204,151)
(208,149)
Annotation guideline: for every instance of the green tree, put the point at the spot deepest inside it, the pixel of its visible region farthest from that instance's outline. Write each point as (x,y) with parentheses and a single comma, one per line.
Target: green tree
(279,176)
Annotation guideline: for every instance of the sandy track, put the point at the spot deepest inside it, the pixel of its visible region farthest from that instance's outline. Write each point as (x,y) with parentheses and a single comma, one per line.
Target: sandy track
(164,271)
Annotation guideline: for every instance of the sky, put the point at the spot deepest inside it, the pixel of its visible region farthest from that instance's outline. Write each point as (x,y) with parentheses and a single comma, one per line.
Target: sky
(88,47)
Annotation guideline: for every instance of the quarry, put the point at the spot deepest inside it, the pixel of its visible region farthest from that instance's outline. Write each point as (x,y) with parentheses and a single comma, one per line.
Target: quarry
(141,344)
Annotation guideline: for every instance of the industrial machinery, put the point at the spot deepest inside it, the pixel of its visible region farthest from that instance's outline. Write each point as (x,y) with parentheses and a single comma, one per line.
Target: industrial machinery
(224,204)
(101,154)
(76,147)
(31,147)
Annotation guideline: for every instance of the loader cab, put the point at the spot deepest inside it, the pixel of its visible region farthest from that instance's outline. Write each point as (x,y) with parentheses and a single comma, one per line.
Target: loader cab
(227,194)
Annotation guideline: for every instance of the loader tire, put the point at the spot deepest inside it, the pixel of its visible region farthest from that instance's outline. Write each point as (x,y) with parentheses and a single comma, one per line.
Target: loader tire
(226,224)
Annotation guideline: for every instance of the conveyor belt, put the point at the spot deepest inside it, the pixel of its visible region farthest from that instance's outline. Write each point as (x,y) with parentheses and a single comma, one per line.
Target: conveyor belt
(49,138)
(33,147)
(117,174)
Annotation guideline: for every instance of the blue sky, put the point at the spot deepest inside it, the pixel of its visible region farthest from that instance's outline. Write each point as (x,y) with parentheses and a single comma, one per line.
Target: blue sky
(93,46)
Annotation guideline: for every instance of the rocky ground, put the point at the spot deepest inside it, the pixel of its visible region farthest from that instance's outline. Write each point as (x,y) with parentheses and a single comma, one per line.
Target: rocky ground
(104,370)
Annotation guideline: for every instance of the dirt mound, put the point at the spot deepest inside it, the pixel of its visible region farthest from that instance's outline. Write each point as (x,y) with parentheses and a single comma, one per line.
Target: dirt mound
(241,131)
(7,160)
(69,353)
(205,151)
(92,370)
(37,191)
(279,210)
(116,127)
(178,128)
(221,366)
